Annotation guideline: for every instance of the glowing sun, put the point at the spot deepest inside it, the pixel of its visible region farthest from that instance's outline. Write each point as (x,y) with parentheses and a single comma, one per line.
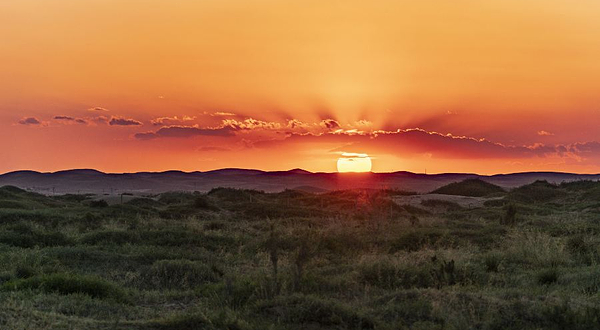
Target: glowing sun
(351,162)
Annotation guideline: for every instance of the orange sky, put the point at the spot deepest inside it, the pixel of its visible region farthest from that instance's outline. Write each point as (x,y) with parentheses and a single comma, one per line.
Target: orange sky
(447,86)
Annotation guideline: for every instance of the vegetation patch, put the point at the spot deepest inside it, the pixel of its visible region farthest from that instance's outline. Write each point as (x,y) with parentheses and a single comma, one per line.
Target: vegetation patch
(470,187)
(68,284)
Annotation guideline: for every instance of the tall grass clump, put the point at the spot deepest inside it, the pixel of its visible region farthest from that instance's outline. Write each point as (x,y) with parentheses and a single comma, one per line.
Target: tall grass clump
(178,274)
(65,283)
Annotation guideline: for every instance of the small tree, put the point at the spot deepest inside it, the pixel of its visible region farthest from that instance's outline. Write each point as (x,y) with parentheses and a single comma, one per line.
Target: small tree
(510,217)
(98,203)
(272,247)
(302,258)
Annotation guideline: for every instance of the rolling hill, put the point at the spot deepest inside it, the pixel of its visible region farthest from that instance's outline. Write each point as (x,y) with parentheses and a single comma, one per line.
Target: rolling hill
(96,182)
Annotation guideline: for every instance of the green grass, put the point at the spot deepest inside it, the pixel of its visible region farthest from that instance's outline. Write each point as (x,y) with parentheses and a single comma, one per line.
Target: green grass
(67,284)
(244,259)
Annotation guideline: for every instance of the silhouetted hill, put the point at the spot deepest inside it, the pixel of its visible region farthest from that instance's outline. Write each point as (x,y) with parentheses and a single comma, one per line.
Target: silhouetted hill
(470,187)
(92,181)
(538,191)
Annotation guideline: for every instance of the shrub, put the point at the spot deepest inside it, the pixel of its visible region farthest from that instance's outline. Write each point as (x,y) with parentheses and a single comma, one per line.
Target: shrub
(183,322)
(203,203)
(144,202)
(178,274)
(388,274)
(547,276)
(183,236)
(53,239)
(24,239)
(17,239)
(580,249)
(308,309)
(214,225)
(89,221)
(98,203)
(405,308)
(535,248)
(197,320)
(68,284)
(417,239)
(118,237)
(25,271)
(510,216)
(235,293)
(492,262)
(176,197)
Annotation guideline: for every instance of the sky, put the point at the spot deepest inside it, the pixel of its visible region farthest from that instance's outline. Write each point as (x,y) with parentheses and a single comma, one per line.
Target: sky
(487,86)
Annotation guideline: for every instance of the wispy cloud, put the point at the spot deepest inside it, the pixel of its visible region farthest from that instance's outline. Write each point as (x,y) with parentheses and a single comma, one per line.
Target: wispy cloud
(185,132)
(220,114)
(100,109)
(70,119)
(171,120)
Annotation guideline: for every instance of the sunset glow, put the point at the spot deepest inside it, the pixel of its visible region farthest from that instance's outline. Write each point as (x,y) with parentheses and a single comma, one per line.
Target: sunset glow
(489,86)
(351,162)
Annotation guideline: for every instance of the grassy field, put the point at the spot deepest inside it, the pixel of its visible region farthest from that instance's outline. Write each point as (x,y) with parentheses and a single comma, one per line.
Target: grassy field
(240,259)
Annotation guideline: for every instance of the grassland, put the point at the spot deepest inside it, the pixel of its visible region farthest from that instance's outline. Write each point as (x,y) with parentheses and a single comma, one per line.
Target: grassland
(241,259)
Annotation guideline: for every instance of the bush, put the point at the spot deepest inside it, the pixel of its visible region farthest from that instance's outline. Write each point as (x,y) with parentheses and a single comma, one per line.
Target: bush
(405,308)
(183,322)
(178,274)
(203,203)
(89,221)
(197,320)
(105,237)
(234,293)
(389,275)
(417,239)
(68,284)
(492,262)
(510,216)
(25,271)
(214,225)
(24,239)
(98,203)
(307,309)
(547,276)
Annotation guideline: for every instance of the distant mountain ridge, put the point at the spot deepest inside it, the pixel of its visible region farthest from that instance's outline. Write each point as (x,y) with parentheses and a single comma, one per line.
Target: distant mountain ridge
(94,181)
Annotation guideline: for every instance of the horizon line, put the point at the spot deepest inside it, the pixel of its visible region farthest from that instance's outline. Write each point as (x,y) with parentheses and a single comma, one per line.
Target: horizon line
(291,170)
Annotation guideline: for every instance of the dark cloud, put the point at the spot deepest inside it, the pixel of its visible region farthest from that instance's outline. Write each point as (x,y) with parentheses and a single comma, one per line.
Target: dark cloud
(585,148)
(330,124)
(71,119)
(412,142)
(29,121)
(185,132)
(64,118)
(119,121)
(98,109)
